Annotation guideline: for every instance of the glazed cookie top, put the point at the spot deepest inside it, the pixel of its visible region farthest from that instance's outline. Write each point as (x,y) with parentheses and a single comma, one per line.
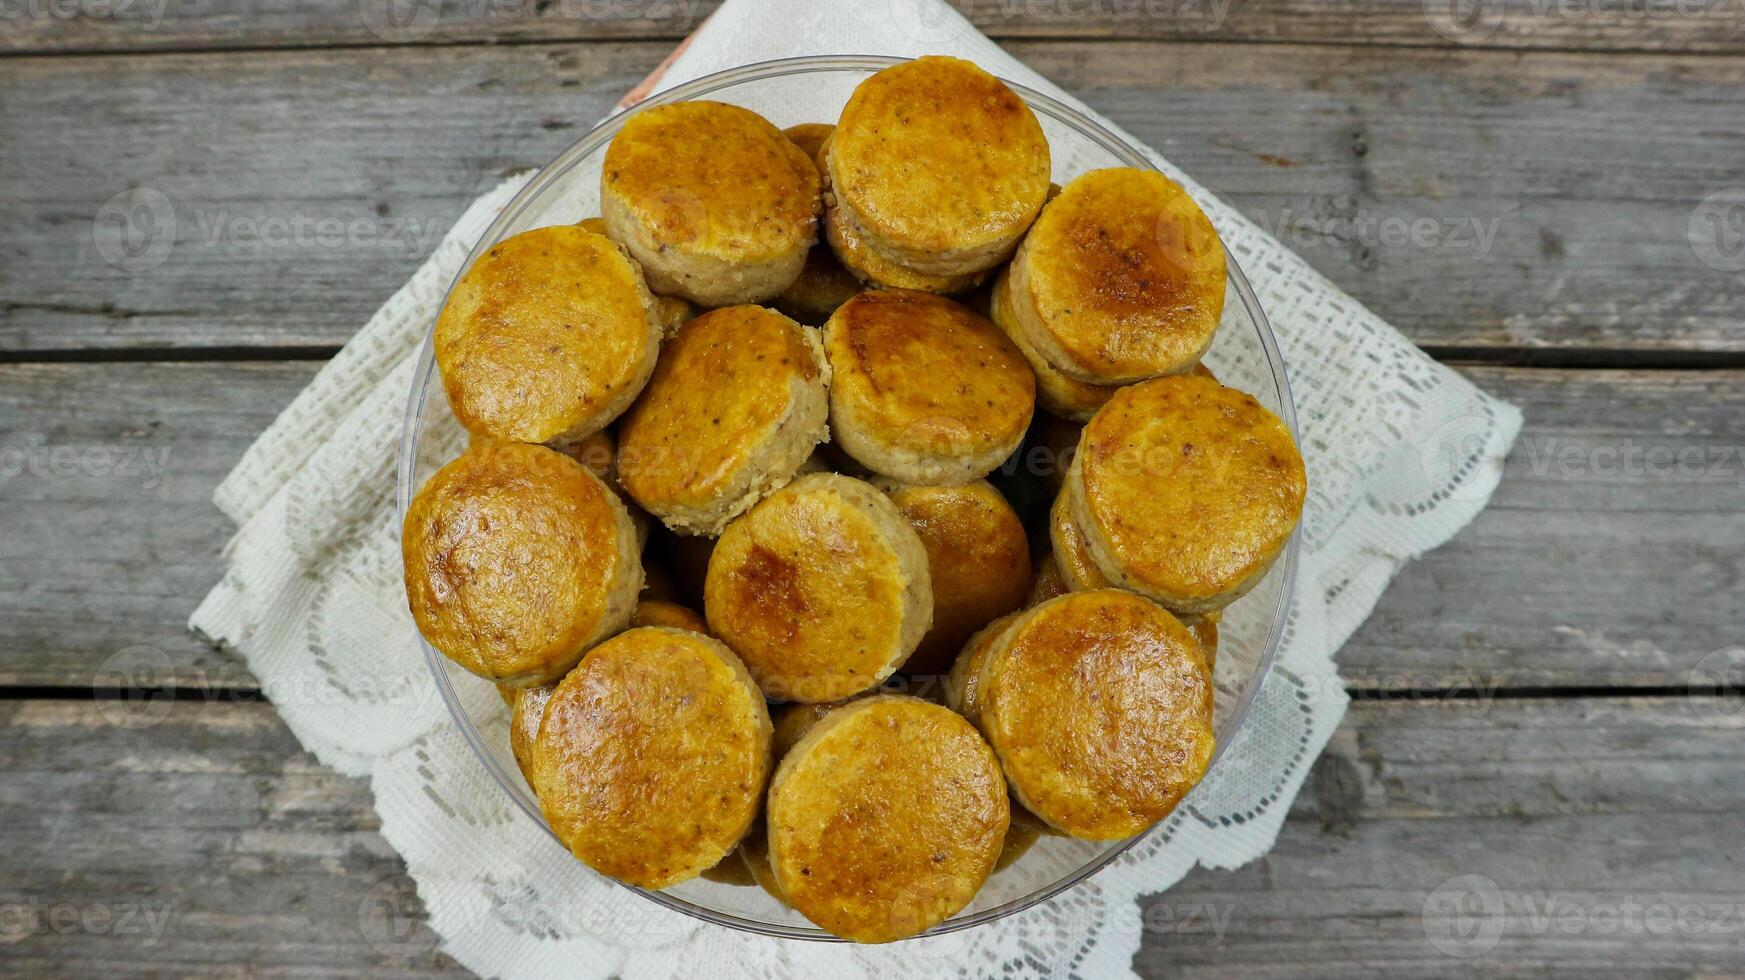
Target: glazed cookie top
(936,155)
(886,818)
(821,587)
(920,374)
(517,557)
(708,178)
(653,756)
(1099,705)
(715,405)
(977,555)
(1124,277)
(1188,489)
(549,335)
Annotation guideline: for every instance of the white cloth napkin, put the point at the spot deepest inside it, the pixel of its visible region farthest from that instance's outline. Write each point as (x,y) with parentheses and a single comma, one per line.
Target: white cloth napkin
(1401,451)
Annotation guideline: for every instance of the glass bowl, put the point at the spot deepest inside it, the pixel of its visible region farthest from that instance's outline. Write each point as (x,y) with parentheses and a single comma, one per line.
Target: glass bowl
(802,90)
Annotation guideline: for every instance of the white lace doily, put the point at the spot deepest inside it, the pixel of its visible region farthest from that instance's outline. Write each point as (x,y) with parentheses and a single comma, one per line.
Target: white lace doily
(1401,453)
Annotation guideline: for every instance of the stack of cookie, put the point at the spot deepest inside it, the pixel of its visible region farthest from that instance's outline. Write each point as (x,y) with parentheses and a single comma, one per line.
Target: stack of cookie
(726,536)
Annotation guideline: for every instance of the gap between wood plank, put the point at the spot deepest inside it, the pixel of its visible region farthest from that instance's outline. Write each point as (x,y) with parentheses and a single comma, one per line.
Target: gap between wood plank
(1546,358)
(1384,695)
(558,42)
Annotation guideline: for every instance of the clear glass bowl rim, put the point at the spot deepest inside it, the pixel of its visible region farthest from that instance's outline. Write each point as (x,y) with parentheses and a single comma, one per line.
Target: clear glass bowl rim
(763,71)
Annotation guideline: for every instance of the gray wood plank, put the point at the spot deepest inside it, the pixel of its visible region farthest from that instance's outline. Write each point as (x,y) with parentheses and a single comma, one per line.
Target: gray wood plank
(205,845)
(1574,834)
(1689,25)
(1602,561)
(110,535)
(1574,811)
(1481,200)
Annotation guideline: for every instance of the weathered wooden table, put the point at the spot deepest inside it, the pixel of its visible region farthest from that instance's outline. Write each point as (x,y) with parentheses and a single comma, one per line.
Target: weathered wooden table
(1549,196)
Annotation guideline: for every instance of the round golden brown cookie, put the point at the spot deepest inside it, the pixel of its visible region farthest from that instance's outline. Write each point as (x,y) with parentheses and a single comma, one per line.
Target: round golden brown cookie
(923,390)
(736,404)
(653,756)
(977,556)
(792,722)
(1186,491)
(823,588)
(517,559)
(1077,568)
(718,206)
(547,338)
(886,819)
(1057,393)
(1122,278)
(1070,672)
(937,166)
(654,612)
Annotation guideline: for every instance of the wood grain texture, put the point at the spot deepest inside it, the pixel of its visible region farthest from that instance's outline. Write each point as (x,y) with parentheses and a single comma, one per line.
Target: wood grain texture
(1480,200)
(1688,25)
(111,537)
(207,844)
(1610,556)
(253,857)
(1575,833)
